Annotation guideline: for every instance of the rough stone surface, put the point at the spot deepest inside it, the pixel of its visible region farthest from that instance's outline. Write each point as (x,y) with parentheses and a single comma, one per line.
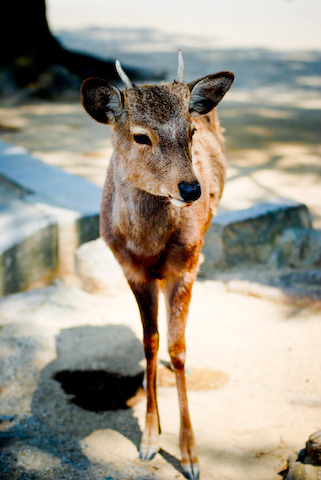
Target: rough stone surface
(297,248)
(45,215)
(307,464)
(252,236)
(313,447)
(28,247)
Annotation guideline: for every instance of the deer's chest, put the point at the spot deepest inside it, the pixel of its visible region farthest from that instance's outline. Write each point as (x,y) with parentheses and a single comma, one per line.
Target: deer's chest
(148,243)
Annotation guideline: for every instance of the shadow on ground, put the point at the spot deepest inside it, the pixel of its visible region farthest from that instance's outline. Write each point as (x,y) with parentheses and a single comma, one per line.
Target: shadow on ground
(57,426)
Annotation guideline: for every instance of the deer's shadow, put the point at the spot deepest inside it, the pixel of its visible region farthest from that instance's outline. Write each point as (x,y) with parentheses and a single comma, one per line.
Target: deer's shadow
(85,389)
(86,386)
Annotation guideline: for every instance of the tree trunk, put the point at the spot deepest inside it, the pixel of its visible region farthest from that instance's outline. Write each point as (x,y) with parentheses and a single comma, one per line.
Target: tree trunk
(29,50)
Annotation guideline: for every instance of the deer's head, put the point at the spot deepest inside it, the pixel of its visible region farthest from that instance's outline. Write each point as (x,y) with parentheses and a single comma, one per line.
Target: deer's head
(153,129)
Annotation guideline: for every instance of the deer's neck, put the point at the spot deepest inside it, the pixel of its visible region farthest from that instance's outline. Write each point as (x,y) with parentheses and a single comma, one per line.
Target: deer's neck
(146,221)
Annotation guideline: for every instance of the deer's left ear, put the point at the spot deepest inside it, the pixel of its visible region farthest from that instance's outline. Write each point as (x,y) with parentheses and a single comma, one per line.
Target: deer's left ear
(208,91)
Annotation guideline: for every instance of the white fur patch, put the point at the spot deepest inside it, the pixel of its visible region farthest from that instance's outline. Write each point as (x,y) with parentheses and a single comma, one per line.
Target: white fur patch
(178,203)
(135,130)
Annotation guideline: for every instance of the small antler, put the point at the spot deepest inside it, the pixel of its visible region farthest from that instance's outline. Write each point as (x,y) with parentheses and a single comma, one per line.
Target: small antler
(180,70)
(123,75)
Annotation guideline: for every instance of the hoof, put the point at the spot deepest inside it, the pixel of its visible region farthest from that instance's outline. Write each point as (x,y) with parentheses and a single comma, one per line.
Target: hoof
(148,453)
(191,472)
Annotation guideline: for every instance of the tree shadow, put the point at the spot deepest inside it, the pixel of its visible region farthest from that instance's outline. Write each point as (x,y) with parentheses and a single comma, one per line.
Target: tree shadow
(255,66)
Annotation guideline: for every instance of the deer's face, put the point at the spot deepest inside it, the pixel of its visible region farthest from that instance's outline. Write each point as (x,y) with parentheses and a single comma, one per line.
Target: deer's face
(159,132)
(153,131)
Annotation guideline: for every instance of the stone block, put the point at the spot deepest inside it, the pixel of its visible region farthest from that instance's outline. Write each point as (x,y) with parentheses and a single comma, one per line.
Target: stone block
(48,184)
(249,237)
(29,260)
(45,214)
(298,247)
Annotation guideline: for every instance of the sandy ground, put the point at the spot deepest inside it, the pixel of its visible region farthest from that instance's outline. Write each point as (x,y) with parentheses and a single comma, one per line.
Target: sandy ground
(264,360)
(267,353)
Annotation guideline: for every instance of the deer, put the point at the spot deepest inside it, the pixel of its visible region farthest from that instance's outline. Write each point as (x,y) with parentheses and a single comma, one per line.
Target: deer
(163,185)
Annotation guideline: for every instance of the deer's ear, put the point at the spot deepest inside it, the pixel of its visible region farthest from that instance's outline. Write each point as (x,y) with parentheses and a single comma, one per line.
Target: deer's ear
(208,91)
(102,100)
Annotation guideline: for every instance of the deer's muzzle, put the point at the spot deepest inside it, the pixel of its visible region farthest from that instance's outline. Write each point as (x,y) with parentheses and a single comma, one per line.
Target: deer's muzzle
(189,192)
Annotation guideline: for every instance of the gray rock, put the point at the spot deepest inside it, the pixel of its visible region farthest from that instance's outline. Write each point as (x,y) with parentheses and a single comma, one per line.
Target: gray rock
(307,464)
(252,236)
(28,246)
(313,447)
(298,247)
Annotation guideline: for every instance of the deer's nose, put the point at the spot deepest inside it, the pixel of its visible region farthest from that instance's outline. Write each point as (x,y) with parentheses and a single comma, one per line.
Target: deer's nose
(189,192)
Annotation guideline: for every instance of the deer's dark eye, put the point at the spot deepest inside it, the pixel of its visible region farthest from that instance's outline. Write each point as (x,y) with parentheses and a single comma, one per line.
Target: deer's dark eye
(192,133)
(142,139)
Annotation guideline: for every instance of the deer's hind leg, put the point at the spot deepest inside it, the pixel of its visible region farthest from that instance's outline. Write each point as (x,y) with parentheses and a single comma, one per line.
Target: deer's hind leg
(147,298)
(178,294)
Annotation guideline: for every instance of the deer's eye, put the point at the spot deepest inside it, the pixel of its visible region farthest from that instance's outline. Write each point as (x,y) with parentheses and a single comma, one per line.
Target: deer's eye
(192,133)
(142,139)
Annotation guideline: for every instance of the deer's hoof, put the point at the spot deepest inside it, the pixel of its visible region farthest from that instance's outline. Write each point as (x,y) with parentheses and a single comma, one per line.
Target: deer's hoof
(191,472)
(148,453)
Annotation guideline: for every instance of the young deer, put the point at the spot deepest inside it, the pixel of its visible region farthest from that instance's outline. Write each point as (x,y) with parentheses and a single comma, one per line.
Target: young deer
(168,154)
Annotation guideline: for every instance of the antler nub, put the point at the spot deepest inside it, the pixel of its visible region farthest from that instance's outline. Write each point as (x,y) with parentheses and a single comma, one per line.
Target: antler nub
(123,75)
(180,70)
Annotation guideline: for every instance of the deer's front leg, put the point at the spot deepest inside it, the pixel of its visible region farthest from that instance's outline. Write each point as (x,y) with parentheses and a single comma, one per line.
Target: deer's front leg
(178,295)
(147,298)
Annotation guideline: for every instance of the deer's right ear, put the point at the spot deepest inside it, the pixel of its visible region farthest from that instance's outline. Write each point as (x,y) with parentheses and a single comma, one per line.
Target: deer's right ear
(102,100)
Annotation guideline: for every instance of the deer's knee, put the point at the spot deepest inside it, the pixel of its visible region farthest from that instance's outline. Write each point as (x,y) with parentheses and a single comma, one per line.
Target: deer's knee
(177,352)
(151,346)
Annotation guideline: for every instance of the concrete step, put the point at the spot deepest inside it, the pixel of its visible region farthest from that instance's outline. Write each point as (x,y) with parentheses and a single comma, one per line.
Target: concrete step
(45,214)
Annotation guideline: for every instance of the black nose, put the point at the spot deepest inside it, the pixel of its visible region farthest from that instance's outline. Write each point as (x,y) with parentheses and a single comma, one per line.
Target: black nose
(189,191)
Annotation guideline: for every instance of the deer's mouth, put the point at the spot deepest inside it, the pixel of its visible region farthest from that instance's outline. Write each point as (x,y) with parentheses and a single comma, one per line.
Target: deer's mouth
(179,203)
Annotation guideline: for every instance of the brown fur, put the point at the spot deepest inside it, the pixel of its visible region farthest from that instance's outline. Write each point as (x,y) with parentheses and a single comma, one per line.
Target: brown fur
(157,243)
